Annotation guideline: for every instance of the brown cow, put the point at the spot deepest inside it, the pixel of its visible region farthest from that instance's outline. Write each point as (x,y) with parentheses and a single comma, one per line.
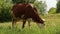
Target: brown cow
(25,11)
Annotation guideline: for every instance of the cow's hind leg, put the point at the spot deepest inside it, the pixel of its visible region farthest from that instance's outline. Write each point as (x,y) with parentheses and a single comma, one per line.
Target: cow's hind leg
(13,22)
(24,21)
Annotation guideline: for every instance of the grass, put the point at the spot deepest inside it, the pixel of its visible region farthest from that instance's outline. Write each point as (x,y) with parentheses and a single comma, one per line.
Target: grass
(52,25)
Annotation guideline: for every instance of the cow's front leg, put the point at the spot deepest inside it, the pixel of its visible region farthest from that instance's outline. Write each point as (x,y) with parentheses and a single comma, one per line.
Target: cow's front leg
(29,24)
(29,20)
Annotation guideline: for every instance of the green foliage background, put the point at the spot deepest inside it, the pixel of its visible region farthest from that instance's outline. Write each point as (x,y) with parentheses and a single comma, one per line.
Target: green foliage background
(52,10)
(5,9)
(41,7)
(6,5)
(58,6)
(23,1)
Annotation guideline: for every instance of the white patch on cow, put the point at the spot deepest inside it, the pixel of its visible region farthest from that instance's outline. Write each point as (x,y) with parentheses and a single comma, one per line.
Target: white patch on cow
(32,5)
(43,19)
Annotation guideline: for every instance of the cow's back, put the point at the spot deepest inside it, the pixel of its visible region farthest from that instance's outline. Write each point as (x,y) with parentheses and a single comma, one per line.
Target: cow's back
(19,9)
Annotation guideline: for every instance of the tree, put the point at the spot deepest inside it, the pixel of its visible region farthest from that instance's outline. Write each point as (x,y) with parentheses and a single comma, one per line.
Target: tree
(5,6)
(52,10)
(58,7)
(23,1)
(40,6)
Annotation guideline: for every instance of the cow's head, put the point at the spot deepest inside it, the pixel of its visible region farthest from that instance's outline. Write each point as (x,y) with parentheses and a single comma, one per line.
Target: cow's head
(41,24)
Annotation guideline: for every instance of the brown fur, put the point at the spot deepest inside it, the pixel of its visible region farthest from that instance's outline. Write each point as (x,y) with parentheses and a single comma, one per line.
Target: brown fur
(26,11)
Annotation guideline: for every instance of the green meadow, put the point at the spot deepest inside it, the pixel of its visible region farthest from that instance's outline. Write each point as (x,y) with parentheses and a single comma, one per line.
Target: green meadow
(52,26)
